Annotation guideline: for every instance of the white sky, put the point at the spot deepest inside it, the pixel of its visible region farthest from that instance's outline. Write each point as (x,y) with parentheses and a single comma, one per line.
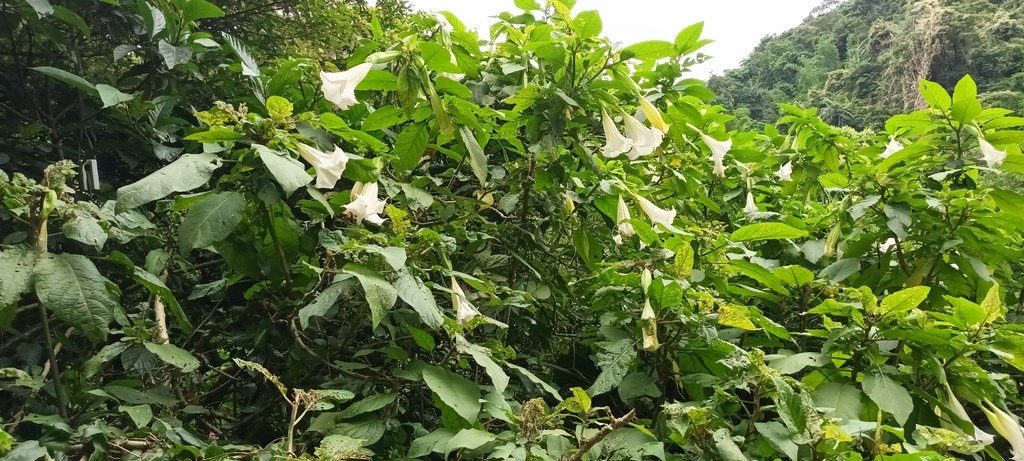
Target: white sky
(736,26)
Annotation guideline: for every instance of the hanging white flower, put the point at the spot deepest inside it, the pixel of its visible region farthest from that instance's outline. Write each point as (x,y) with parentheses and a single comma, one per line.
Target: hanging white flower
(329,167)
(887,245)
(615,143)
(751,204)
(464,311)
(365,204)
(656,214)
(1008,427)
(644,139)
(622,218)
(649,327)
(653,115)
(893,147)
(617,238)
(958,410)
(340,87)
(990,155)
(718,151)
(785,172)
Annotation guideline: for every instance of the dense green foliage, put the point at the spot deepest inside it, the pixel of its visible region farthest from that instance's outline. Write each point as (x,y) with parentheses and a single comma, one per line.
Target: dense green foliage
(450,250)
(860,62)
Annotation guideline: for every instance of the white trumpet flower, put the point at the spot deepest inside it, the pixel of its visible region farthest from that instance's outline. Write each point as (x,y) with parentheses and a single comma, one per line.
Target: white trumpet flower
(653,115)
(649,327)
(329,167)
(340,87)
(1008,427)
(893,147)
(464,311)
(615,143)
(656,214)
(990,155)
(718,151)
(958,410)
(751,204)
(622,218)
(785,172)
(364,204)
(644,139)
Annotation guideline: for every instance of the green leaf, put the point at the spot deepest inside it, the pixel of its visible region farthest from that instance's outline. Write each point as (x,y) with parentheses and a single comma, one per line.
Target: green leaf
(890,396)
(762,275)
(289,172)
(794,363)
(686,40)
(469,439)
(966,106)
(279,108)
(188,172)
(411,144)
(371,403)
(970,313)
(141,415)
(587,24)
(482,356)
(112,96)
(174,55)
(72,19)
(779,436)
(935,95)
(651,50)
(459,393)
(1009,202)
(158,288)
(68,78)
(843,399)
(536,380)
(437,58)
(323,302)
(84,227)
(527,5)
(249,67)
(378,80)
(767,231)
(614,358)
(903,301)
(794,276)
(16,277)
(840,270)
(173,355)
(477,158)
(70,286)
(210,220)
(106,354)
(201,9)
(384,117)
(380,294)
(154,19)
(215,135)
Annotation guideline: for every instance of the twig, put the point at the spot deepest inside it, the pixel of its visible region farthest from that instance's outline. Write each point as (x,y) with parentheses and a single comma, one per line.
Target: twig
(588,444)
(58,388)
(160,315)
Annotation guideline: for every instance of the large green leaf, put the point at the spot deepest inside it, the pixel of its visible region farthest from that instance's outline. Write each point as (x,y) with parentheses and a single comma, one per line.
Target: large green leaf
(184,174)
(289,172)
(112,96)
(414,293)
(174,55)
(890,396)
(843,400)
(380,294)
(411,144)
(70,286)
(459,393)
(614,358)
(477,158)
(68,78)
(175,356)
(372,403)
(249,66)
(767,231)
(16,262)
(210,220)
(904,300)
(159,288)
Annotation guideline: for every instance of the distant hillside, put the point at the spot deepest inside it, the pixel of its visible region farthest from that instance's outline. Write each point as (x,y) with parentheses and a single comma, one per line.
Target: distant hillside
(859,61)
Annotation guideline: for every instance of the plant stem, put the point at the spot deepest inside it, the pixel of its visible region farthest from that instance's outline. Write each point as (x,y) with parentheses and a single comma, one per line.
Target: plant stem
(58,388)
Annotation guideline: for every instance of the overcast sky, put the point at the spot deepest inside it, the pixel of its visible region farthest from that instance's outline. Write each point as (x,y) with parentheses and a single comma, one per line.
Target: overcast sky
(736,26)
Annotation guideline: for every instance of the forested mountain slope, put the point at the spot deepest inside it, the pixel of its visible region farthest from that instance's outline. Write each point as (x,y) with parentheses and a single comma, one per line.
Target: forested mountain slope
(861,61)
